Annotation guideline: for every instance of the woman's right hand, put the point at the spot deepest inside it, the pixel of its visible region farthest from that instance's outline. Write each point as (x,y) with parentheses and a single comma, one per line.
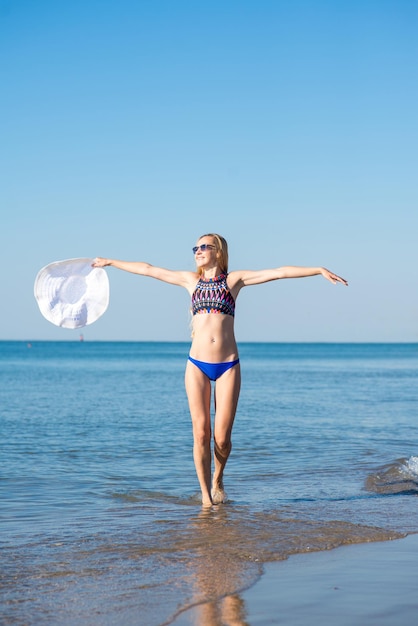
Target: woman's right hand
(100,262)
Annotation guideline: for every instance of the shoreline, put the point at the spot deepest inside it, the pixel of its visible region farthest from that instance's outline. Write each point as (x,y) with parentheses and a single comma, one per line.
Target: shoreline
(372,583)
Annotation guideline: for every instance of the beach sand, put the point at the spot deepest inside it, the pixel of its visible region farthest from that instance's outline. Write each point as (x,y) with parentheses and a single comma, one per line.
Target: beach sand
(357,585)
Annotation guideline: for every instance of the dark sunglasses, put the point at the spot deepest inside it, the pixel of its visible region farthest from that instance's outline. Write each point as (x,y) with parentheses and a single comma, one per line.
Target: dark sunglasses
(203,247)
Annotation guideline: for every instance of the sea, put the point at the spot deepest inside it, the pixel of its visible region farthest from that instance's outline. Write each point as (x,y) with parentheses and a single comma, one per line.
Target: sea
(100,514)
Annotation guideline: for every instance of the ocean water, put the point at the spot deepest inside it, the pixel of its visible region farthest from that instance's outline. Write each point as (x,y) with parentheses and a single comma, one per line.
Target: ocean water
(99,504)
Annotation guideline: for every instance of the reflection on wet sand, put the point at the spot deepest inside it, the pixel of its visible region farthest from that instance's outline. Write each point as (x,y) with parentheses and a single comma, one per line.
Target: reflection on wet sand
(229,611)
(218,570)
(224,548)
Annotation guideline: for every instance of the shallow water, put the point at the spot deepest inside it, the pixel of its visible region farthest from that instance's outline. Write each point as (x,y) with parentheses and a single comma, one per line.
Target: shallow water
(100,510)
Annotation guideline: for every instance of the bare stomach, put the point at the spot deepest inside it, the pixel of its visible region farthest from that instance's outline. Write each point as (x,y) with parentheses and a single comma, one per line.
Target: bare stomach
(213,338)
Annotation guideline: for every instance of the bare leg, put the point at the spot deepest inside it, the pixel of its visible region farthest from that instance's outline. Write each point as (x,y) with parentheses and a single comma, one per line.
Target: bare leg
(226,400)
(198,390)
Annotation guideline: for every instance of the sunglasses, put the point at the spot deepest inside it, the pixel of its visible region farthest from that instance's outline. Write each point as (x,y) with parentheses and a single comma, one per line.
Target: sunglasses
(203,248)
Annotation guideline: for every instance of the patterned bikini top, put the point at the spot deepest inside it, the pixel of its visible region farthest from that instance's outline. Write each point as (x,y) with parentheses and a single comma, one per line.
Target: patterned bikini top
(212,295)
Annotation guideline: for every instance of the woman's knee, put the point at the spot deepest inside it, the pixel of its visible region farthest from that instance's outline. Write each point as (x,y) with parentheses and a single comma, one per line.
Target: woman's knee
(201,436)
(223,445)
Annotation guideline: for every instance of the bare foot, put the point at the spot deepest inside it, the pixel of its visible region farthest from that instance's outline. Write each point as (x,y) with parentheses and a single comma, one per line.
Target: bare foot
(218,494)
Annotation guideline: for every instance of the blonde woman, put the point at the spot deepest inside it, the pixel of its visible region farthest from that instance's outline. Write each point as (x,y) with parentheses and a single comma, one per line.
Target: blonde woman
(213,353)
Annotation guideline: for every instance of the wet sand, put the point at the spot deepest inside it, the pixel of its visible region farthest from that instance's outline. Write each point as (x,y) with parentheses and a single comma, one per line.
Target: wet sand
(374,583)
(357,585)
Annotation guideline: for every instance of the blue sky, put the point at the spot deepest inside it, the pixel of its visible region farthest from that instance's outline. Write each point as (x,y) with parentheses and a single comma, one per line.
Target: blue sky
(130,127)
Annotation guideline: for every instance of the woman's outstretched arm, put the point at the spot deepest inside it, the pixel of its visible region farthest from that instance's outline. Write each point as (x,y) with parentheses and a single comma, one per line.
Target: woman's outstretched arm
(181,278)
(247,277)
(303,272)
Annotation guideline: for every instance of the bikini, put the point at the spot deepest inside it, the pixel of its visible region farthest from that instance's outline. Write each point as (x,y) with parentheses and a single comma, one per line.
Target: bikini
(213,296)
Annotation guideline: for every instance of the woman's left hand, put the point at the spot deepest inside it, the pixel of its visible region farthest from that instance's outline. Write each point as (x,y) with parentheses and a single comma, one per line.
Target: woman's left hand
(333,278)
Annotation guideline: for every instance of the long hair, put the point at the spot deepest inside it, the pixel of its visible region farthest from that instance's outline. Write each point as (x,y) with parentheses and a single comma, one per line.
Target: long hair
(221,246)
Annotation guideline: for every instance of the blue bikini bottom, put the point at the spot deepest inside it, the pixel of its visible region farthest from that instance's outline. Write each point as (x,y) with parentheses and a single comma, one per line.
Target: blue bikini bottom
(214,370)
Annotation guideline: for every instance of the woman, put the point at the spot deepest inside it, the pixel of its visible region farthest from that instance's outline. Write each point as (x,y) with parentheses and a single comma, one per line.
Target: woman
(213,353)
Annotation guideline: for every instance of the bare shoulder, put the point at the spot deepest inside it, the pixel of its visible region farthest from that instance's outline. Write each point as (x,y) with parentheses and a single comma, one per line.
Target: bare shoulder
(190,280)
(187,279)
(235,278)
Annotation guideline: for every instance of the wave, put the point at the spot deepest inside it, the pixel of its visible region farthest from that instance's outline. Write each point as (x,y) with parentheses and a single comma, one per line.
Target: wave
(398,477)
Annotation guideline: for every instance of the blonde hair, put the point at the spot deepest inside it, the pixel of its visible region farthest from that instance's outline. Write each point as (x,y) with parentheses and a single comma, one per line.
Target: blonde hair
(221,246)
